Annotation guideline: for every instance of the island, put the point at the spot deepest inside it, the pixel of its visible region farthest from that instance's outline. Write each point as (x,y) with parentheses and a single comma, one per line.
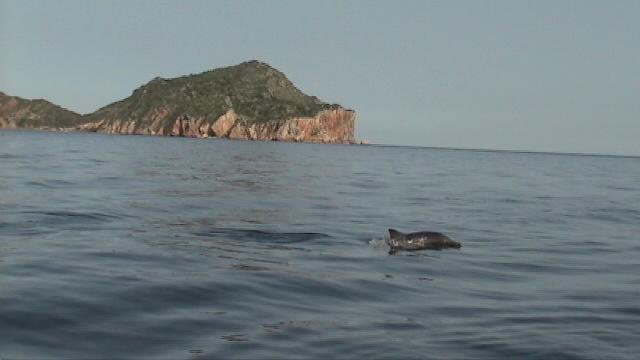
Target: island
(251,101)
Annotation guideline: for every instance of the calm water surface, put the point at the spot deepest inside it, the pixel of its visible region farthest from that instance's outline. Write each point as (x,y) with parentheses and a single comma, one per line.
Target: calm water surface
(121,246)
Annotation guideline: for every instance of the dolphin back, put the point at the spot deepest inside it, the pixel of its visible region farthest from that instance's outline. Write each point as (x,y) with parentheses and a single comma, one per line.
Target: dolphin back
(396,235)
(419,241)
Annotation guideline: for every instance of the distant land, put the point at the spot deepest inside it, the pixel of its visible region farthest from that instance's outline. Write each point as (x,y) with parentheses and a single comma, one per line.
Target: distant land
(250,101)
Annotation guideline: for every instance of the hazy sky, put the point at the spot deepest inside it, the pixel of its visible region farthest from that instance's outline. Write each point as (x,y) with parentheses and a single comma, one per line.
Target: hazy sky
(531,75)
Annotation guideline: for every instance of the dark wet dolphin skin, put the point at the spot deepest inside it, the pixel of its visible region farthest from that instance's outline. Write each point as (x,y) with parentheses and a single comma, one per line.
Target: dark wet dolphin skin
(423,240)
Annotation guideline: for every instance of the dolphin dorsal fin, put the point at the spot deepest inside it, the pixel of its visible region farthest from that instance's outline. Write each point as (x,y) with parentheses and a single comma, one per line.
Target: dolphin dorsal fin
(394,234)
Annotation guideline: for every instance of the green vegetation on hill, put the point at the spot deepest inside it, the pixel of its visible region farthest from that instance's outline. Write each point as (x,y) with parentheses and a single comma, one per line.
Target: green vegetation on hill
(23,113)
(254,90)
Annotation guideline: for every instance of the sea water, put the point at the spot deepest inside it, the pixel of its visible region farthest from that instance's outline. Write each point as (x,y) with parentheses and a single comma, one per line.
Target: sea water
(157,247)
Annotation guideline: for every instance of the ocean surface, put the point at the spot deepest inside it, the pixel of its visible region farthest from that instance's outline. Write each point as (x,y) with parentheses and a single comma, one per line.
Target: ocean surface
(154,247)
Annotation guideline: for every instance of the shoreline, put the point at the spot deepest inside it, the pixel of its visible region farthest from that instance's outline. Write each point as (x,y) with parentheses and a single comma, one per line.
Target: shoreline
(80,131)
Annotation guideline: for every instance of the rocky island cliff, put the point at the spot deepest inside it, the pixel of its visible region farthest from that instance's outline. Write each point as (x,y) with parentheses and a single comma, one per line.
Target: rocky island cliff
(251,101)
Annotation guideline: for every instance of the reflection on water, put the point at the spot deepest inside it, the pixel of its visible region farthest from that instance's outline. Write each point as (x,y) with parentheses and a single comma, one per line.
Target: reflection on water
(179,248)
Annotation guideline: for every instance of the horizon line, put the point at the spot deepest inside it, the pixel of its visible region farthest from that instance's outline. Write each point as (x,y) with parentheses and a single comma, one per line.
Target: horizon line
(542,152)
(451,148)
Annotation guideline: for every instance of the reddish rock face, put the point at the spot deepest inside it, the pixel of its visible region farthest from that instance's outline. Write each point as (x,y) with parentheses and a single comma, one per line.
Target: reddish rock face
(190,127)
(328,126)
(224,123)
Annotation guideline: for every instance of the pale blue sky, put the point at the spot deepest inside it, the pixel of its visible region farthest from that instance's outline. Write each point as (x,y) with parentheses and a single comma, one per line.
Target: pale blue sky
(528,75)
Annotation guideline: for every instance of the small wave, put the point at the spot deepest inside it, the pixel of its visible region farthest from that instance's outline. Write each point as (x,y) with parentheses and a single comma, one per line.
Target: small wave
(245,267)
(615,215)
(235,337)
(49,184)
(35,223)
(9,156)
(369,184)
(71,216)
(512,201)
(97,161)
(262,236)
(378,242)
(88,215)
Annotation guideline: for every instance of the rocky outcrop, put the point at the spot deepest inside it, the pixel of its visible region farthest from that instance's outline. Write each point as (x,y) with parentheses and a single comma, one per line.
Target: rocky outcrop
(329,126)
(223,125)
(251,101)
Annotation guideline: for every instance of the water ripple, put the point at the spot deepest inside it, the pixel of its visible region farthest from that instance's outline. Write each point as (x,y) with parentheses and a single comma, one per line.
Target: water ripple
(270,237)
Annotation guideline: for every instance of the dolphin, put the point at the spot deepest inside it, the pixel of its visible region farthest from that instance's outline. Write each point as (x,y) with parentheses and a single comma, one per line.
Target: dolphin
(419,241)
